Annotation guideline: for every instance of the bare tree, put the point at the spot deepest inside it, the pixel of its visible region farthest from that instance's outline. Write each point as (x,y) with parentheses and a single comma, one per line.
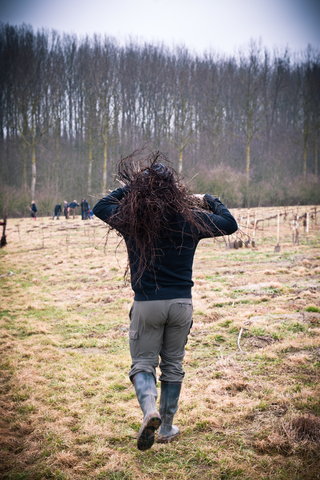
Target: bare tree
(250,100)
(70,107)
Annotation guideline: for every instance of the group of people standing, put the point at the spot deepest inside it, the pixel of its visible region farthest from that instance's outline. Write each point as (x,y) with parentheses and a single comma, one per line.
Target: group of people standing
(69,209)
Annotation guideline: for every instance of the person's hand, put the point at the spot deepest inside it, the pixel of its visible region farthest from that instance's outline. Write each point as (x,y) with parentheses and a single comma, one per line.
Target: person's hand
(199,195)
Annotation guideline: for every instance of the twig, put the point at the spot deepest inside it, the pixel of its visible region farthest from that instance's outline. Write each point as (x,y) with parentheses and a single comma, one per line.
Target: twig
(7,274)
(238,341)
(42,238)
(192,178)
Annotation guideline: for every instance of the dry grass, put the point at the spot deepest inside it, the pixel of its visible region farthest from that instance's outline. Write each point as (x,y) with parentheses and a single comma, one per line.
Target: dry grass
(67,408)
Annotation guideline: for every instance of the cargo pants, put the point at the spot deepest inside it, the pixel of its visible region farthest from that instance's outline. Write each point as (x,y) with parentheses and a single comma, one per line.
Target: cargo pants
(160,328)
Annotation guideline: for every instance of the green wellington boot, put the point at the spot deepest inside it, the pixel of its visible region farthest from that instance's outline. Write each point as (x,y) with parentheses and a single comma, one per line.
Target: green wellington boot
(170,393)
(146,391)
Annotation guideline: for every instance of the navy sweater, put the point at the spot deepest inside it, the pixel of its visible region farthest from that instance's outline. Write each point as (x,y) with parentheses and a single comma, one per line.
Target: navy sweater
(171,275)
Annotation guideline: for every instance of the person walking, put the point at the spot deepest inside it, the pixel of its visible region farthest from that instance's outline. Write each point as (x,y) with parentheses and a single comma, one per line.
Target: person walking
(84,209)
(57,211)
(66,209)
(161,223)
(72,208)
(33,210)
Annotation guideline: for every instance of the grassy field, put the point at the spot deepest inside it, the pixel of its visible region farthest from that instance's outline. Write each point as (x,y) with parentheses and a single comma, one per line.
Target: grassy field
(250,404)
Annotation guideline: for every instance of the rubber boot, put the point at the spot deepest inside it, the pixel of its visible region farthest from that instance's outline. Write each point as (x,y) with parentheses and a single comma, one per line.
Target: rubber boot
(146,391)
(170,393)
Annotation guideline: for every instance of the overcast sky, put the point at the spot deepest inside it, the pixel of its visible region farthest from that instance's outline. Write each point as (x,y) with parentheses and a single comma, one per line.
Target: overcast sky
(201,25)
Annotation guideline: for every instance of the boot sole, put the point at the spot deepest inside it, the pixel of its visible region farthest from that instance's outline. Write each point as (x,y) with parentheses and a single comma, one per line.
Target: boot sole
(146,433)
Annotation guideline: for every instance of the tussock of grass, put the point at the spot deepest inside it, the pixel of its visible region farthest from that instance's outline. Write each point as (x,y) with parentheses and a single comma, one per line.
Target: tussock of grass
(312,308)
(304,428)
(298,434)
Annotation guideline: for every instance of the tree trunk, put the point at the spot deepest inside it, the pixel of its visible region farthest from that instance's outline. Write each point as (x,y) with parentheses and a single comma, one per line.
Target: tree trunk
(180,162)
(316,157)
(305,156)
(248,162)
(90,157)
(24,169)
(305,151)
(33,171)
(105,167)
(58,166)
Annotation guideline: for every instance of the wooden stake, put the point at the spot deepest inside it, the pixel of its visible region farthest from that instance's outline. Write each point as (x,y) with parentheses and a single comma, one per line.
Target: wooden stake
(277,248)
(18,228)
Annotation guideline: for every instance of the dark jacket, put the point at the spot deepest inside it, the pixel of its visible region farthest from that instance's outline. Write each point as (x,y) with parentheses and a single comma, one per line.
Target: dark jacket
(57,209)
(73,204)
(84,206)
(171,275)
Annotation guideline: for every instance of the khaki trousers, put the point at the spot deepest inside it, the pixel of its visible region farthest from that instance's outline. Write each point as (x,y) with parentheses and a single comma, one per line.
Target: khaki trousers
(160,328)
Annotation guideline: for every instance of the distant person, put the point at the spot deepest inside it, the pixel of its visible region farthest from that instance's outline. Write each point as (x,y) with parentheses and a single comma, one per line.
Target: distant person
(3,224)
(72,208)
(161,223)
(84,209)
(33,210)
(90,213)
(57,211)
(66,209)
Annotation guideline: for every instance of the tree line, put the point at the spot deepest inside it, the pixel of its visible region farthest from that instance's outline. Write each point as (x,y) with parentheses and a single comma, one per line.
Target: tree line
(244,126)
